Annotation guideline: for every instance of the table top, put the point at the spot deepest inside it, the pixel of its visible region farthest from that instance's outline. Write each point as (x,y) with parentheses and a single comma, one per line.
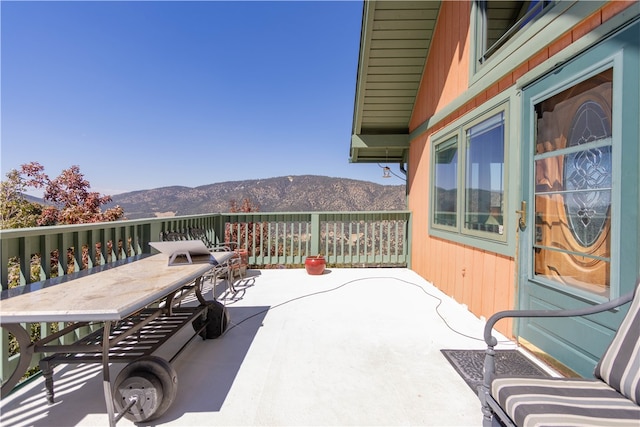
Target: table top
(111,294)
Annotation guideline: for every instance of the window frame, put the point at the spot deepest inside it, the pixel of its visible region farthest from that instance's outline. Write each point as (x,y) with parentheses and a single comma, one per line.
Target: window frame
(559,16)
(499,243)
(481,48)
(446,141)
(464,131)
(570,76)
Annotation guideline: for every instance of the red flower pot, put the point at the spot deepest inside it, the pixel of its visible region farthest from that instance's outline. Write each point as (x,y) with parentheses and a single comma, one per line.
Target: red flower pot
(315,264)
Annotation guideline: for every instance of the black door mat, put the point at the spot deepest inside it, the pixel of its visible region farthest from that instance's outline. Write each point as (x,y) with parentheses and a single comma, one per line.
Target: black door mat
(469,364)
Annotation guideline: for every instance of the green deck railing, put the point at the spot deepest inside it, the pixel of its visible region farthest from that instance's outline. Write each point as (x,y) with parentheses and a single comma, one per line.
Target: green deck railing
(346,239)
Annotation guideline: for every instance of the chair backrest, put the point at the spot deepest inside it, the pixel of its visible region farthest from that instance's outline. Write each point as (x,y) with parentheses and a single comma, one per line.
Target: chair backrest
(620,364)
(200,233)
(173,236)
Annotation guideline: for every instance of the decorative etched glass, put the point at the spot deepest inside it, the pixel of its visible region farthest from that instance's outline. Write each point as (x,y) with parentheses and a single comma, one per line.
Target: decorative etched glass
(573,186)
(587,174)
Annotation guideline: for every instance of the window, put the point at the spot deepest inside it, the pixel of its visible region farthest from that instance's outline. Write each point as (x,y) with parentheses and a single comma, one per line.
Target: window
(573,185)
(446,183)
(474,191)
(484,185)
(499,21)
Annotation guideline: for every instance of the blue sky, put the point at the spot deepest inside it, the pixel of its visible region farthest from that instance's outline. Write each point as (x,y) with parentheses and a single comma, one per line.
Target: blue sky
(150,94)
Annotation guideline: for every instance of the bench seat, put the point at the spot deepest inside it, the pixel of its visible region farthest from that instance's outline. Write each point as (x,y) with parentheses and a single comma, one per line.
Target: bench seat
(611,398)
(533,401)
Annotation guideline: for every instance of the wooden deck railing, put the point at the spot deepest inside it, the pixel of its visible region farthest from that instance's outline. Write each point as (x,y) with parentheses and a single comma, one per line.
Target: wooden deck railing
(346,239)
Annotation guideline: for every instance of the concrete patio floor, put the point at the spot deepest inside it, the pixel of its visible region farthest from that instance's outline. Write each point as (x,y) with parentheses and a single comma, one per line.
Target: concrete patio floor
(357,347)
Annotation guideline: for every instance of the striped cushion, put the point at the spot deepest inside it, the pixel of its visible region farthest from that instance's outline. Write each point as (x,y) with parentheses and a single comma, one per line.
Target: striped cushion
(620,365)
(533,401)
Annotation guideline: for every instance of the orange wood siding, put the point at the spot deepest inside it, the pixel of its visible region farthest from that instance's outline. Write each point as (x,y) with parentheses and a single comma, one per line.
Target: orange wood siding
(465,273)
(482,280)
(446,73)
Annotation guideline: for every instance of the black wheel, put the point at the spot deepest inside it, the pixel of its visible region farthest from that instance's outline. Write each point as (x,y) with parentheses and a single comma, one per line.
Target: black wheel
(152,382)
(217,319)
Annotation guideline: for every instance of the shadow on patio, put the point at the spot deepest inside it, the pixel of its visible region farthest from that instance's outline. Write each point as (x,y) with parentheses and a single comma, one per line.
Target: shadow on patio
(350,347)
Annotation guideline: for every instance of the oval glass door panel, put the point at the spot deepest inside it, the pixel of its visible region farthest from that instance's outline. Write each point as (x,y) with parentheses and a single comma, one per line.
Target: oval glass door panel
(573,186)
(587,174)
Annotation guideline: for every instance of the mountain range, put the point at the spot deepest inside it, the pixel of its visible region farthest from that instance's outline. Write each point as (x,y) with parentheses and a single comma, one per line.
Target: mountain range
(302,193)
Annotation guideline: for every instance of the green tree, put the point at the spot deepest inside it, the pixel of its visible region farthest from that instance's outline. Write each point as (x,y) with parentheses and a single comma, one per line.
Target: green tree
(67,197)
(68,201)
(15,210)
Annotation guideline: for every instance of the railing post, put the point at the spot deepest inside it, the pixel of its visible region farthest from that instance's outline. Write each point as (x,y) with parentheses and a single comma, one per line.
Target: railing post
(315,234)
(218,229)
(152,234)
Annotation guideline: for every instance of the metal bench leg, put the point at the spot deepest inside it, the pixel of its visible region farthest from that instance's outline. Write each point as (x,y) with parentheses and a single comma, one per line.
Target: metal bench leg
(47,372)
(483,390)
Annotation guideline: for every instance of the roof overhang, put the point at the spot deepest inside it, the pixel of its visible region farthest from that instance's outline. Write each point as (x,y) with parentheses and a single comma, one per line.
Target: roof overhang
(386,148)
(394,44)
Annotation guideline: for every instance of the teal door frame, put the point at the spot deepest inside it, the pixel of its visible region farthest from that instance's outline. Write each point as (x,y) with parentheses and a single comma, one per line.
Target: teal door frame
(579,343)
